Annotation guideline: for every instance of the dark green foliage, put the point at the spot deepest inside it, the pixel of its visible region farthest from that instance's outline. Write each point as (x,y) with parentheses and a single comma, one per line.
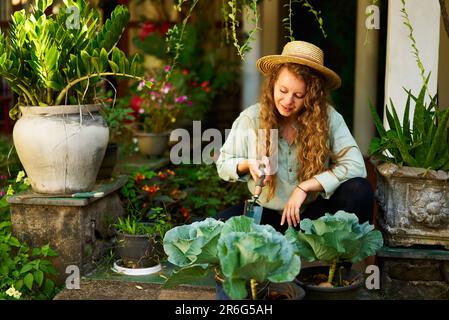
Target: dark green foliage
(424,145)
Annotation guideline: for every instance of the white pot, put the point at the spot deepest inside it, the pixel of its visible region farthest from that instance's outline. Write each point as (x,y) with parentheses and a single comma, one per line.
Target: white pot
(152,144)
(60,150)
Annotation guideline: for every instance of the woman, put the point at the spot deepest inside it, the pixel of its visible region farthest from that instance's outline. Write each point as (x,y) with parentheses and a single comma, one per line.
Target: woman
(314,165)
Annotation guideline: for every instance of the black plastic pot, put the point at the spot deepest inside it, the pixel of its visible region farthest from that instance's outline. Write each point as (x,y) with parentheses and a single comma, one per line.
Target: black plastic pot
(314,292)
(274,291)
(109,162)
(137,251)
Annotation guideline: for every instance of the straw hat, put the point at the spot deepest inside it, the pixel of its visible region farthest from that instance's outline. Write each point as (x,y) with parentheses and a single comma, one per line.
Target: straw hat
(304,53)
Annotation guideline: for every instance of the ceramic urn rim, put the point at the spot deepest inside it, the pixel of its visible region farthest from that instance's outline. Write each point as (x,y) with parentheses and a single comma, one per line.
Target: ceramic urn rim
(62,109)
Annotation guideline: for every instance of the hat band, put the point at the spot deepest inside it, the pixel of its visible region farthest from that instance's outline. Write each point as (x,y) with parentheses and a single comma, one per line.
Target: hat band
(305,58)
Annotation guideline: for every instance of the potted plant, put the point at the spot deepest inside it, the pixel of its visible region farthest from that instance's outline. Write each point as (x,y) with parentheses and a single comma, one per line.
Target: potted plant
(55,64)
(334,240)
(243,256)
(412,165)
(157,110)
(139,244)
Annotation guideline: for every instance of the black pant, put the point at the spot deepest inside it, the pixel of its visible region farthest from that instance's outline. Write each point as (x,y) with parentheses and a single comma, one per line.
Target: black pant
(353,196)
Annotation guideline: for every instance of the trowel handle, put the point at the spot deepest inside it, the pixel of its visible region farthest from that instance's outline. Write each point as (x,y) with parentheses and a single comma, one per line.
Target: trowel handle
(259,181)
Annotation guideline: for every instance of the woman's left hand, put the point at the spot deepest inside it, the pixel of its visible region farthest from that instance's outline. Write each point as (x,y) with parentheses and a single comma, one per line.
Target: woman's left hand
(291,209)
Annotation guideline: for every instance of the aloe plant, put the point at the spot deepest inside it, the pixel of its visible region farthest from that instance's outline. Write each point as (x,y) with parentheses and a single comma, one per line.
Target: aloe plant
(51,59)
(424,145)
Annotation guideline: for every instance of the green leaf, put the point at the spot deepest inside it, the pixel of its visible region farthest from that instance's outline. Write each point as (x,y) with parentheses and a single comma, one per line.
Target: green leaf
(42,5)
(189,274)
(378,123)
(193,244)
(26,268)
(38,277)
(114,67)
(337,237)
(438,140)
(28,280)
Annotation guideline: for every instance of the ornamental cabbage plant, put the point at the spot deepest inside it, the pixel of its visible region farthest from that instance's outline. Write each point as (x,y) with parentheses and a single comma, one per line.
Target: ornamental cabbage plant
(335,238)
(237,252)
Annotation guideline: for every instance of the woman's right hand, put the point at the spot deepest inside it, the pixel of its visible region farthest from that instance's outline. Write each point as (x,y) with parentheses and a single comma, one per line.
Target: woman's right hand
(254,167)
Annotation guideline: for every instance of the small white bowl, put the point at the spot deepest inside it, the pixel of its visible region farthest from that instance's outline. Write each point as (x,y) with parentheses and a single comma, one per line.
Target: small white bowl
(135,272)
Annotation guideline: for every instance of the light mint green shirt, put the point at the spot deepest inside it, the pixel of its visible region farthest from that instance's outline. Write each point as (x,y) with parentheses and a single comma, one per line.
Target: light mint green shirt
(241,144)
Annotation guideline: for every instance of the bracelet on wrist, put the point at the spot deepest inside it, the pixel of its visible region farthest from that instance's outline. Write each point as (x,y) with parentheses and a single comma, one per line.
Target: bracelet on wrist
(301,189)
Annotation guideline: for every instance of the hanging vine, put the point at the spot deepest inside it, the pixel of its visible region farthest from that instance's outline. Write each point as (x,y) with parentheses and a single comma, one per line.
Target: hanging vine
(287,22)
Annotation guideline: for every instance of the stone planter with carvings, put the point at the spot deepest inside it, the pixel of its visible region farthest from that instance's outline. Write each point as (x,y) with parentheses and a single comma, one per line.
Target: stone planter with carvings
(413,205)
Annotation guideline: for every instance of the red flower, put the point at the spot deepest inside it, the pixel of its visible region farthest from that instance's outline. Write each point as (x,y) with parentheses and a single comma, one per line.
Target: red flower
(185,72)
(205,84)
(147,29)
(161,175)
(151,189)
(135,103)
(164,28)
(139,177)
(185,213)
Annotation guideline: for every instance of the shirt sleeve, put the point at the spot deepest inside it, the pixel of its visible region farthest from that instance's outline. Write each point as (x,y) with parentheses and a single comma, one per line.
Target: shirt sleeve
(348,166)
(235,150)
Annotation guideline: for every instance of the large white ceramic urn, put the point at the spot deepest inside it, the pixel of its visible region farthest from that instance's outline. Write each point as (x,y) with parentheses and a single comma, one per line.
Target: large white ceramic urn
(61,147)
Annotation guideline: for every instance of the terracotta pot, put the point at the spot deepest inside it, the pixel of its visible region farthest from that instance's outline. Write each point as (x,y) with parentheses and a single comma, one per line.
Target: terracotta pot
(61,148)
(153,144)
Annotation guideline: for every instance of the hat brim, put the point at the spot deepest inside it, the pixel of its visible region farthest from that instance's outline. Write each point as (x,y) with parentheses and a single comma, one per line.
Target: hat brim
(265,64)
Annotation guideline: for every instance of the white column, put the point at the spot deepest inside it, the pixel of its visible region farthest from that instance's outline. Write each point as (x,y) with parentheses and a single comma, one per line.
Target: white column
(401,67)
(365,76)
(251,77)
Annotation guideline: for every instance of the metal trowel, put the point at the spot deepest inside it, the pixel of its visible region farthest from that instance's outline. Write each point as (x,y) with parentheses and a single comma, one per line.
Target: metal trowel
(252,210)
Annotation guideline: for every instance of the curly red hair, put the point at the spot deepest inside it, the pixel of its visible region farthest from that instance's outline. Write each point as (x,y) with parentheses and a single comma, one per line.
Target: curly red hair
(312,120)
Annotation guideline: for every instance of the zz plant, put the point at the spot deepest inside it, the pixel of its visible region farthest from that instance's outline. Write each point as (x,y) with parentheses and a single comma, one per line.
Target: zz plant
(56,58)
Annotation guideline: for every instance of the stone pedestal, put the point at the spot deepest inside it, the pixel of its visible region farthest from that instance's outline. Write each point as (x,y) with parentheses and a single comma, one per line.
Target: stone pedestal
(411,273)
(77,228)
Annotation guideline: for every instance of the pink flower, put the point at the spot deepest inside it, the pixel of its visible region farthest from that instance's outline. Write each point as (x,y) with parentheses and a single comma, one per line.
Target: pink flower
(141,111)
(181,99)
(189,103)
(167,68)
(141,85)
(166,88)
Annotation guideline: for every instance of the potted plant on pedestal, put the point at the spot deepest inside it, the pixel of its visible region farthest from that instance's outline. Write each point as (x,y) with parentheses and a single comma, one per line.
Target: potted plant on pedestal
(412,164)
(246,259)
(54,63)
(412,167)
(333,240)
